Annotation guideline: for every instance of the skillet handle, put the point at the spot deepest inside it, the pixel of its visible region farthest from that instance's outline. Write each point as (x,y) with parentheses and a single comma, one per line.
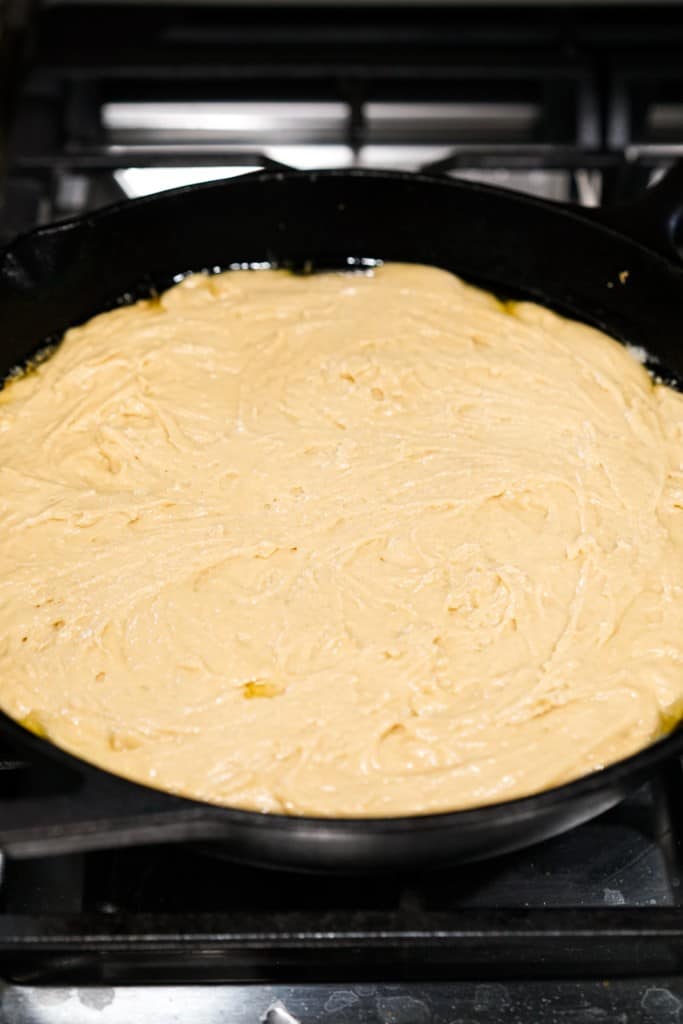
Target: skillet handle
(652,218)
(91,811)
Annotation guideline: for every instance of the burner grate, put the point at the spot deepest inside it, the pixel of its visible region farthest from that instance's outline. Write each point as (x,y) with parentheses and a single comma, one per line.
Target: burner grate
(573,108)
(602,900)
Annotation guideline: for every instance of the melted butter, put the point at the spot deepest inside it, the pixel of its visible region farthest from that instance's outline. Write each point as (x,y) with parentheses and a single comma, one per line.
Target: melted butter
(341,545)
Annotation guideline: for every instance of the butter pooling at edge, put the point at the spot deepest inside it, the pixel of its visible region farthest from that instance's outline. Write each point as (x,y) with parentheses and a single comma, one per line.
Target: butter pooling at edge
(341,545)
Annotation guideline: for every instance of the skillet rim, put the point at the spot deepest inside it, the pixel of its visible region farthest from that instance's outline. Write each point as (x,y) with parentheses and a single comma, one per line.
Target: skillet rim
(588,217)
(636,765)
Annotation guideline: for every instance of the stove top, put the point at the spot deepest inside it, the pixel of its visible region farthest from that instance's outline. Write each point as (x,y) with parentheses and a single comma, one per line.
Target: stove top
(586,926)
(105,101)
(645,1001)
(110,100)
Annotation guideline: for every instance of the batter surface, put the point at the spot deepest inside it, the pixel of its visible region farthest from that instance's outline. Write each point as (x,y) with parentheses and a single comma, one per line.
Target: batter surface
(341,545)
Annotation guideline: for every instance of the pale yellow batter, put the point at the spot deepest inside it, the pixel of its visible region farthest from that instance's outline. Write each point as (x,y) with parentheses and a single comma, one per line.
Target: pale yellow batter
(341,545)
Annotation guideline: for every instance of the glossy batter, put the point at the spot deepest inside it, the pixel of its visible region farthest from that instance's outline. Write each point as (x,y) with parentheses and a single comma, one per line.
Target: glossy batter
(341,544)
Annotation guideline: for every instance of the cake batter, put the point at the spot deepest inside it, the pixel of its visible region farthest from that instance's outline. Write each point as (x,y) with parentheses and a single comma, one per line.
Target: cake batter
(341,545)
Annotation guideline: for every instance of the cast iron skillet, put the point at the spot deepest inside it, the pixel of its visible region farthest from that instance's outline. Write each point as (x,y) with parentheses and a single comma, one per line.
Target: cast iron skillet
(575,262)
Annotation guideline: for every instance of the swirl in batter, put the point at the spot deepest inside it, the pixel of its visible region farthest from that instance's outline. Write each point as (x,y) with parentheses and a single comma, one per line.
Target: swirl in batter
(341,545)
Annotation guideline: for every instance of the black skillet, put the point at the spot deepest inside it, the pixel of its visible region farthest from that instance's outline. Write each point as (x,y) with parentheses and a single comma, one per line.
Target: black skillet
(614,269)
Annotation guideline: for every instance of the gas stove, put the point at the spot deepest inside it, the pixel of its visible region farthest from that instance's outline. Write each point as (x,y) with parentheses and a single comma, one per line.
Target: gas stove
(101,102)
(107,101)
(587,926)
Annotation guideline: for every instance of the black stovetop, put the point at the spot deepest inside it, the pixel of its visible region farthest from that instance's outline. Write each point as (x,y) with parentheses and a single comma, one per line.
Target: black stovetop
(584,927)
(572,103)
(581,903)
